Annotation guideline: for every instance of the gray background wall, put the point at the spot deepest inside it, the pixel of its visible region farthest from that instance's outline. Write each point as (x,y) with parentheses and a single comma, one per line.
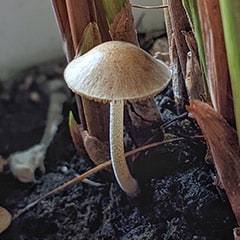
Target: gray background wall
(29,34)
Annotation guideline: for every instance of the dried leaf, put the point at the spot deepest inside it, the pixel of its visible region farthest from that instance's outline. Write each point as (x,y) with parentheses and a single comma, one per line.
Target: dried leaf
(122,28)
(91,37)
(97,150)
(194,77)
(112,8)
(223,144)
(5,219)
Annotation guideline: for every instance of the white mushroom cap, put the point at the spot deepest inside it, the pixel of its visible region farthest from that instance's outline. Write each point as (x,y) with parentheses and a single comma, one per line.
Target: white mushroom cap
(101,74)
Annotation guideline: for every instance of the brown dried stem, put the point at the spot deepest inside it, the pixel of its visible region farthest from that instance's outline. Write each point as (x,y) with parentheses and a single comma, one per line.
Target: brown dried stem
(102,21)
(79,18)
(122,28)
(60,10)
(178,82)
(81,14)
(216,59)
(179,22)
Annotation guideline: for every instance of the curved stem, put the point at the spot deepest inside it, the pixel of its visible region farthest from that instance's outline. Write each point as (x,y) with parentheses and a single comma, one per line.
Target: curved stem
(119,164)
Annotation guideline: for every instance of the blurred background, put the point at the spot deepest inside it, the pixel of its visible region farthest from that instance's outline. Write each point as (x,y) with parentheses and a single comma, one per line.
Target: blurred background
(29,33)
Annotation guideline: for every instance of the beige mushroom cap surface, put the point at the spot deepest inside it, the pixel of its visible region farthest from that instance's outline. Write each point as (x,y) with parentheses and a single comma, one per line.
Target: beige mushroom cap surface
(5,219)
(115,71)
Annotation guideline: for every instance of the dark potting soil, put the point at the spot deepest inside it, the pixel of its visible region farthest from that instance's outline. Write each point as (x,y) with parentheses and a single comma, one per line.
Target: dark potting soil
(180,199)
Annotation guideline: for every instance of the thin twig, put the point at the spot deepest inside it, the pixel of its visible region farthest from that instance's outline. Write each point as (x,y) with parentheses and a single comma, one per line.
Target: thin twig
(92,171)
(156,144)
(167,124)
(149,7)
(63,186)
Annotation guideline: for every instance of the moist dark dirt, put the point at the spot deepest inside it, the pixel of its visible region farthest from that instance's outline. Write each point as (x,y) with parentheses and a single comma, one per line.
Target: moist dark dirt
(179,196)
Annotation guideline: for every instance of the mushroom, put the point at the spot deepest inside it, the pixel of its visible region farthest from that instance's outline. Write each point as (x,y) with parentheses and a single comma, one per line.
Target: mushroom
(115,72)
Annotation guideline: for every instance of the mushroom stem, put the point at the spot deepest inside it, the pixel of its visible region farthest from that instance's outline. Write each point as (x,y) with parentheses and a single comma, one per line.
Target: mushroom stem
(119,164)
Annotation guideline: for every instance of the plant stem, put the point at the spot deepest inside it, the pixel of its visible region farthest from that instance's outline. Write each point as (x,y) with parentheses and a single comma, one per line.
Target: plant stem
(231,25)
(75,9)
(216,60)
(179,22)
(60,10)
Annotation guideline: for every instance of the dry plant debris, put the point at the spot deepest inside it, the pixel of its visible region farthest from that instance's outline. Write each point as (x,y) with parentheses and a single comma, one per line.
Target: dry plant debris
(223,144)
(5,219)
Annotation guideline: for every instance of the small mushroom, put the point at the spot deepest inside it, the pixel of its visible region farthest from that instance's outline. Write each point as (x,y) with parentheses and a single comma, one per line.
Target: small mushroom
(115,72)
